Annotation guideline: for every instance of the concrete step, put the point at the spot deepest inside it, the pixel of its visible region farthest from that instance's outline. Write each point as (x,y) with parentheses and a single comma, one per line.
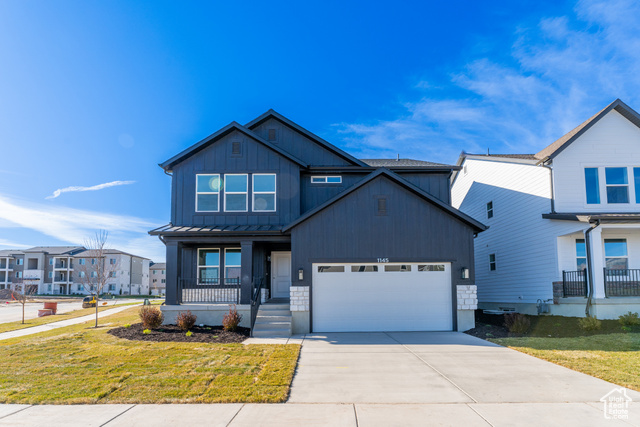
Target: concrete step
(267,318)
(281,324)
(271,334)
(262,312)
(270,307)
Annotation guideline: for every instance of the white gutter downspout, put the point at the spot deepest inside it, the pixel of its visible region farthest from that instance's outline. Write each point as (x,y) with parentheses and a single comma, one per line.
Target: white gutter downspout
(587,243)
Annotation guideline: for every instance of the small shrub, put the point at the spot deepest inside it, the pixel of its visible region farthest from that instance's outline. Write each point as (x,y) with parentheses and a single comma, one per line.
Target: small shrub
(189,333)
(127,325)
(629,319)
(517,323)
(626,328)
(185,320)
(231,320)
(590,324)
(151,317)
(146,331)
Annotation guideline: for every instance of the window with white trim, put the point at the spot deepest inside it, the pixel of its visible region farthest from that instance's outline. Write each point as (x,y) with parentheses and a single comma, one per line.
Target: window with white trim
(208,266)
(81,261)
(490,209)
(581,254)
(617,185)
(492,262)
(232,263)
(19,261)
(264,192)
(615,253)
(208,192)
(235,192)
(326,179)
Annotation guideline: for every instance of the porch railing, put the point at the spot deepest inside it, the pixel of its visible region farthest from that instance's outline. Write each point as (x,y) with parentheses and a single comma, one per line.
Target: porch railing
(256,299)
(209,291)
(621,283)
(574,283)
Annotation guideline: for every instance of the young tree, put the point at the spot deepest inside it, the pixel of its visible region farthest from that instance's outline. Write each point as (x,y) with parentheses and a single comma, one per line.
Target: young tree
(97,270)
(23,289)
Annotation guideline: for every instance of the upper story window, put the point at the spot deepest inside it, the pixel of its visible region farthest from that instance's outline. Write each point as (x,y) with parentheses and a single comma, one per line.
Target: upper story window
(81,261)
(208,266)
(235,192)
(592,185)
(615,253)
(19,261)
(326,179)
(490,210)
(636,183)
(492,262)
(617,185)
(264,192)
(208,193)
(581,254)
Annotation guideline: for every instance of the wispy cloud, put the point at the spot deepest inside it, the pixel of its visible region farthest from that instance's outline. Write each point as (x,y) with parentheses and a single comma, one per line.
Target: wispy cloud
(74,226)
(59,191)
(13,245)
(558,73)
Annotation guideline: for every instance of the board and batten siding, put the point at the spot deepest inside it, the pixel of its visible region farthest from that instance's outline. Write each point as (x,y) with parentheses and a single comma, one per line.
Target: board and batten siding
(525,244)
(351,231)
(298,145)
(612,141)
(217,158)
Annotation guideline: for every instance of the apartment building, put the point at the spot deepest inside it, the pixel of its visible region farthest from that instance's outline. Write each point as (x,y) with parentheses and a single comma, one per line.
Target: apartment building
(157,278)
(57,270)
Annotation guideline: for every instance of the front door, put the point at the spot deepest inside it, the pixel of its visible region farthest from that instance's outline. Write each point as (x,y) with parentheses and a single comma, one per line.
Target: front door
(280,274)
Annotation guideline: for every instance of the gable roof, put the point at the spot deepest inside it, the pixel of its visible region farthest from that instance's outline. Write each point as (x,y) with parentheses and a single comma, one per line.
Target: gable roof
(167,165)
(55,250)
(315,138)
(559,145)
(477,226)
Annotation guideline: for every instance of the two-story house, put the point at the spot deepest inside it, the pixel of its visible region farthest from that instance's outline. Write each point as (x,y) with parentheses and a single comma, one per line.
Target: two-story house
(564,223)
(270,211)
(157,278)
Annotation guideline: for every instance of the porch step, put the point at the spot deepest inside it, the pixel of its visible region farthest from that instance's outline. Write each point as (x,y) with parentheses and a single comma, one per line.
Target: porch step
(273,320)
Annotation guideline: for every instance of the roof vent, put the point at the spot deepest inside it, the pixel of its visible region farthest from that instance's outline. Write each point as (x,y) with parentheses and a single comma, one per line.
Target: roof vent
(272,135)
(236,148)
(382,206)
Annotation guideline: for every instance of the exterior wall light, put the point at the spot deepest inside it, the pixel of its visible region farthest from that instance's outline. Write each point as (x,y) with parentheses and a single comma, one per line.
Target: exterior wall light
(300,274)
(464,273)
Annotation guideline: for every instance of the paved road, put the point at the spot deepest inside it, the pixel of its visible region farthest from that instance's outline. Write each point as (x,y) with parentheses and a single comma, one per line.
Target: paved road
(13,312)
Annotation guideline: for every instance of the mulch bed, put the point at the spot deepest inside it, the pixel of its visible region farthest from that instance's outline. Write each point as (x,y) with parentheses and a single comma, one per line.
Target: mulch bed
(485,331)
(167,333)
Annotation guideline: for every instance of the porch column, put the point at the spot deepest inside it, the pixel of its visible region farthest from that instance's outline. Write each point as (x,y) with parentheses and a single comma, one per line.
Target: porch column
(246,271)
(597,262)
(174,261)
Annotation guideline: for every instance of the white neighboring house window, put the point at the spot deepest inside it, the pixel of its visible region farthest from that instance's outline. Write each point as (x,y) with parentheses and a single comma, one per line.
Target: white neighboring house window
(155,280)
(48,288)
(112,287)
(93,261)
(617,184)
(94,274)
(50,261)
(163,271)
(18,274)
(236,192)
(81,274)
(208,266)
(163,281)
(50,274)
(208,192)
(264,192)
(154,272)
(326,179)
(81,261)
(112,261)
(19,261)
(79,287)
(492,262)
(112,274)
(490,209)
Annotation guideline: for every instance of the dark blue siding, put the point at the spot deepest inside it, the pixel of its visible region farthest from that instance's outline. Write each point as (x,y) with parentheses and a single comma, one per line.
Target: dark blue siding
(217,158)
(299,145)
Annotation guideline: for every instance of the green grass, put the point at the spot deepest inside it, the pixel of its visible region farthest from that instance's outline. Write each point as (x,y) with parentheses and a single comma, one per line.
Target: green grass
(613,357)
(80,364)
(14,326)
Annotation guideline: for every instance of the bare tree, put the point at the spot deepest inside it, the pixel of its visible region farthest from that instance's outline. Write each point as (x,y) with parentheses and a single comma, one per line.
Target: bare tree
(23,289)
(96,270)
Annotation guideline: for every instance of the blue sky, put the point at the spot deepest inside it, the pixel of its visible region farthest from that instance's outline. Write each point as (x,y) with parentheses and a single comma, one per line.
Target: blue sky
(93,95)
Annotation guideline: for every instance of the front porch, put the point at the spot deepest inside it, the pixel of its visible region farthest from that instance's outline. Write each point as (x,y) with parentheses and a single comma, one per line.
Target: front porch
(610,253)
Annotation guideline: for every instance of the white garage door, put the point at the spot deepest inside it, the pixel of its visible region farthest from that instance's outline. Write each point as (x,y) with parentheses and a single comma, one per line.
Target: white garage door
(382,297)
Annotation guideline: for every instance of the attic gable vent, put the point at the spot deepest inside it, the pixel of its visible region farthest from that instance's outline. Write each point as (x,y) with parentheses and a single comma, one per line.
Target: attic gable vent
(272,135)
(382,206)
(236,148)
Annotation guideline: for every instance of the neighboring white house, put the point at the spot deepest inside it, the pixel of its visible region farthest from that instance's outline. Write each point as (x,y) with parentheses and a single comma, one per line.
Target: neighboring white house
(130,275)
(157,278)
(564,224)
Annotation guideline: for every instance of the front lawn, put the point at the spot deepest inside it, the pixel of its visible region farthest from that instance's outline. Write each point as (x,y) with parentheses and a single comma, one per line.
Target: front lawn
(80,364)
(13,326)
(611,357)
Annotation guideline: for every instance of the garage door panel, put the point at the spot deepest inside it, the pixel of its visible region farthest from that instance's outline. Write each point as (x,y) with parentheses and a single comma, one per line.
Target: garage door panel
(382,301)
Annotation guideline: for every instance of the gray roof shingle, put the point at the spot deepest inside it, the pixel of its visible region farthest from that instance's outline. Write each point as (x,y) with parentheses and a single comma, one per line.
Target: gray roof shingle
(390,163)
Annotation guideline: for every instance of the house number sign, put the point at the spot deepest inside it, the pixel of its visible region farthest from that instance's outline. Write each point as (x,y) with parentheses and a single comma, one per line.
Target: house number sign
(383,259)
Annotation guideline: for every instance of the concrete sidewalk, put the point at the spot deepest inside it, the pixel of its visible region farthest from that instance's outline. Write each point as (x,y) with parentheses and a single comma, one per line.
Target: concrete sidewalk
(335,415)
(49,326)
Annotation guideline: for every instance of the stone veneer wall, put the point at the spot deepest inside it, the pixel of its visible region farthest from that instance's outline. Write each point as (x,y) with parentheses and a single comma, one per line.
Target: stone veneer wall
(467,297)
(299,298)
